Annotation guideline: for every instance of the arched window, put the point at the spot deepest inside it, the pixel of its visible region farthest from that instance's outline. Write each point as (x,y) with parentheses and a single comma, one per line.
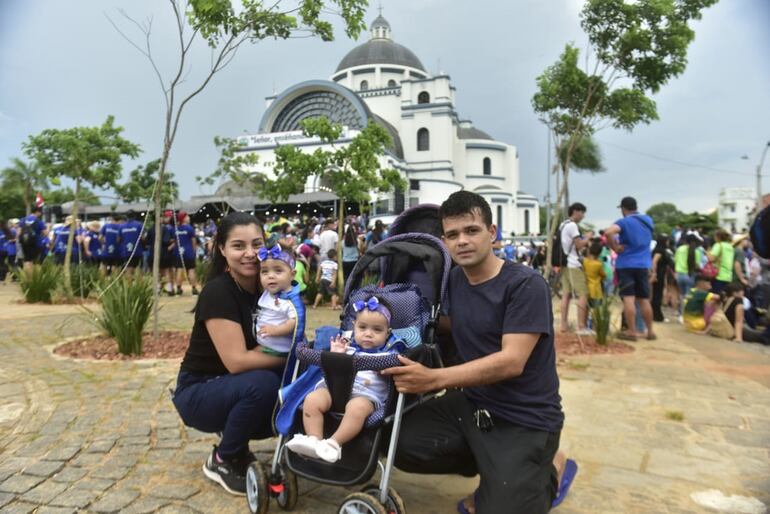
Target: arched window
(423,98)
(526,222)
(487,166)
(500,218)
(364,85)
(423,140)
(391,83)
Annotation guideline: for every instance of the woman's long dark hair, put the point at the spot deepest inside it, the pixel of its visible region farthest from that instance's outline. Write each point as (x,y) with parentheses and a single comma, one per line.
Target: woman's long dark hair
(692,244)
(350,236)
(225,226)
(377,232)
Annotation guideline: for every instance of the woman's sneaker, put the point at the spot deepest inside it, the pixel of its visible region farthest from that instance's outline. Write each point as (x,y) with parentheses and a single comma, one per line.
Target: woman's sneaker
(226,473)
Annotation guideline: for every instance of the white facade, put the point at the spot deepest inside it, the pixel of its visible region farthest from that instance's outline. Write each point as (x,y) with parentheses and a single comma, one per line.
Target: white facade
(437,152)
(736,206)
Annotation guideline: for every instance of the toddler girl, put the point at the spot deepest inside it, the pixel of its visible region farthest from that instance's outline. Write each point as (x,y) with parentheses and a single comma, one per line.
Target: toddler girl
(279,305)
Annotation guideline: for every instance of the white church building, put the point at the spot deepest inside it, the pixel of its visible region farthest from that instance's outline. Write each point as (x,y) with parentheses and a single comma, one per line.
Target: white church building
(436,150)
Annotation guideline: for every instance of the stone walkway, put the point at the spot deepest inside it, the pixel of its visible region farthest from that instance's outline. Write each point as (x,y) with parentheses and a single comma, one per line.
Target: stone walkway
(684,418)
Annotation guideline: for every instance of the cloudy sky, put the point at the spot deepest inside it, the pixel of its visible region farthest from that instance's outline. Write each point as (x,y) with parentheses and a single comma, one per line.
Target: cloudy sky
(62,64)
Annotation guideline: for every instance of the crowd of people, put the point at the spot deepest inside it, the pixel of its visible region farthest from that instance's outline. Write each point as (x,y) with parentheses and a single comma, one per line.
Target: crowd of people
(122,243)
(713,283)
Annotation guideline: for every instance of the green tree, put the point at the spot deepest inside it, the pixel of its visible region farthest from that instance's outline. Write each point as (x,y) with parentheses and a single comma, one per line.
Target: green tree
(666,216)
(87,155)
(67,194)
(224,30)
(586,157)
(352,170)
(634,49)
(140,186)
(23,180)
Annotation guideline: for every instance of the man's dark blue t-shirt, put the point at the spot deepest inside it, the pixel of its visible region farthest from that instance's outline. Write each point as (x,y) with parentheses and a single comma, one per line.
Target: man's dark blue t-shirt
(130,232)
(184,236)
(110,232)
(636,237)
(33,225)
(516,301)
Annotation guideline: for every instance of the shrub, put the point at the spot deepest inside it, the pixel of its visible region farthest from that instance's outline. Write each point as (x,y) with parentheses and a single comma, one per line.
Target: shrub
(39,284)
(84,278)
(126,309)
(601,316)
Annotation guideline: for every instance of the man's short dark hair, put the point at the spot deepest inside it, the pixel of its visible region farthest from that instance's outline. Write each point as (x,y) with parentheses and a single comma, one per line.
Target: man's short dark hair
(577,206)
(460,203)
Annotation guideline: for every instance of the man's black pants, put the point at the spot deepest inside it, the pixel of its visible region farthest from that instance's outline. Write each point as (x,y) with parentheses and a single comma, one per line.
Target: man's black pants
(515,463)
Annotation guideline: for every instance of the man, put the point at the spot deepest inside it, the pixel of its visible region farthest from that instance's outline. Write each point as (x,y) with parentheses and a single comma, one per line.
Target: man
(631,238)
(130,242)
(32,232)
(573,280)
(109,236)
(328,238)
(505,422)
(167,249)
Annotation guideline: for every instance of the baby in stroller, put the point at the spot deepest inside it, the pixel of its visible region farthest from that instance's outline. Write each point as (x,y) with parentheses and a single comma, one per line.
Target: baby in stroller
(371,335)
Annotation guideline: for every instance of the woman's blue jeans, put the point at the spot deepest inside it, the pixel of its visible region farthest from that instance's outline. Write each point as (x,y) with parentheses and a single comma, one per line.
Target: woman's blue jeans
(238,405)
(685,283)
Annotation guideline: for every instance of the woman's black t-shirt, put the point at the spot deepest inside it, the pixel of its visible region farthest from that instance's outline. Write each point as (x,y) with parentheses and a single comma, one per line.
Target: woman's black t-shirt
(221,298)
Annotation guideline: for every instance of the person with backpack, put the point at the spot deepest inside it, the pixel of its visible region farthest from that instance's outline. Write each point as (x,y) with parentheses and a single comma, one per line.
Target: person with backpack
(573,278)
(631,238)
(33,230)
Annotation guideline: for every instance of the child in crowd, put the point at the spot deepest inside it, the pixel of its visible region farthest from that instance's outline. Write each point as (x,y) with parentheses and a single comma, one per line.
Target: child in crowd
(371,334)
(327,278)
(280,307)
(594,270)
(699,305)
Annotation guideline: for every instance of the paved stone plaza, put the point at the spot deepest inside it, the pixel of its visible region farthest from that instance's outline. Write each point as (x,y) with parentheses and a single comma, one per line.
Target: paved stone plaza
(684,418)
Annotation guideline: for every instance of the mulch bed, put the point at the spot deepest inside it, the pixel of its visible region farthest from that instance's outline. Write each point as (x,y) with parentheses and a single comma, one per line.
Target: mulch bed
(172,345)
(169,345)
(569,344)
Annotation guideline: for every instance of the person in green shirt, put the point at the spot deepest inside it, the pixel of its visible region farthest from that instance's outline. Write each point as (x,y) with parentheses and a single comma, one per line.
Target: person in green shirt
(302,275)
(722,254)
(687,259)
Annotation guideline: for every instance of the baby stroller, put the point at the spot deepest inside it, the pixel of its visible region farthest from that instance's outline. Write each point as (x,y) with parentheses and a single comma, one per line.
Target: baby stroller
(414,273)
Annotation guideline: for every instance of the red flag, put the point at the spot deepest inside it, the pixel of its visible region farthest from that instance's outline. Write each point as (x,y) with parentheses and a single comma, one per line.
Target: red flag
(39,202)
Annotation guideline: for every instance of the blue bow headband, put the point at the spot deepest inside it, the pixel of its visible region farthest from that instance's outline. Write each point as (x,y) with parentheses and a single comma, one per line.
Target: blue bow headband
(275,253)
(372,304)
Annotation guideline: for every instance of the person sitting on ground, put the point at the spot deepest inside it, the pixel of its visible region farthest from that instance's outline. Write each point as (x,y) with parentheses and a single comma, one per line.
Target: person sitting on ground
(326,277)
(226,383)
(735,314)
(371,334)
(280,307)
(699,305)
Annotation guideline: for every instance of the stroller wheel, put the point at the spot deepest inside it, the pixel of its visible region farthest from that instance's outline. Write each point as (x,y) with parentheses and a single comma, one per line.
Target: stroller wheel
(256,489)
(361,503)
(395,503)
(287,498)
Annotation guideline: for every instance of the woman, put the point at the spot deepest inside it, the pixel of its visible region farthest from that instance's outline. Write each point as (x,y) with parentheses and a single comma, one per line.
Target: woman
(687,261)
(735,314)
(661,262)
(350,251)
(722,255)
(226,383)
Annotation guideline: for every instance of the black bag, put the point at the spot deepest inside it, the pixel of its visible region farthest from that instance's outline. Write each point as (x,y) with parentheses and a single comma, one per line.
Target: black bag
(558,257)
(29,233)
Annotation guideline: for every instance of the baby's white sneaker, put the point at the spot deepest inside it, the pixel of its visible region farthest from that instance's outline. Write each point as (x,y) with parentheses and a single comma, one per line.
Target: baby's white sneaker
(304,445)
(328,450)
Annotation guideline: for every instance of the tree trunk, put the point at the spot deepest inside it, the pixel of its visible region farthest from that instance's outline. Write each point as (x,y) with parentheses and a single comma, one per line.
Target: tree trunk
(27,201)
(70,240)
(557,212)
(156,241)
(566,191)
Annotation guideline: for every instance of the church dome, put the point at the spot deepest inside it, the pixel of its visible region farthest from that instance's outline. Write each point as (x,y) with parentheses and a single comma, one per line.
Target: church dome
(380,49)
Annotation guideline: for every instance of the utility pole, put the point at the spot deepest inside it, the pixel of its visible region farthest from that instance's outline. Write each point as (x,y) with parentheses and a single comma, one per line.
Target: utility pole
(548,187)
